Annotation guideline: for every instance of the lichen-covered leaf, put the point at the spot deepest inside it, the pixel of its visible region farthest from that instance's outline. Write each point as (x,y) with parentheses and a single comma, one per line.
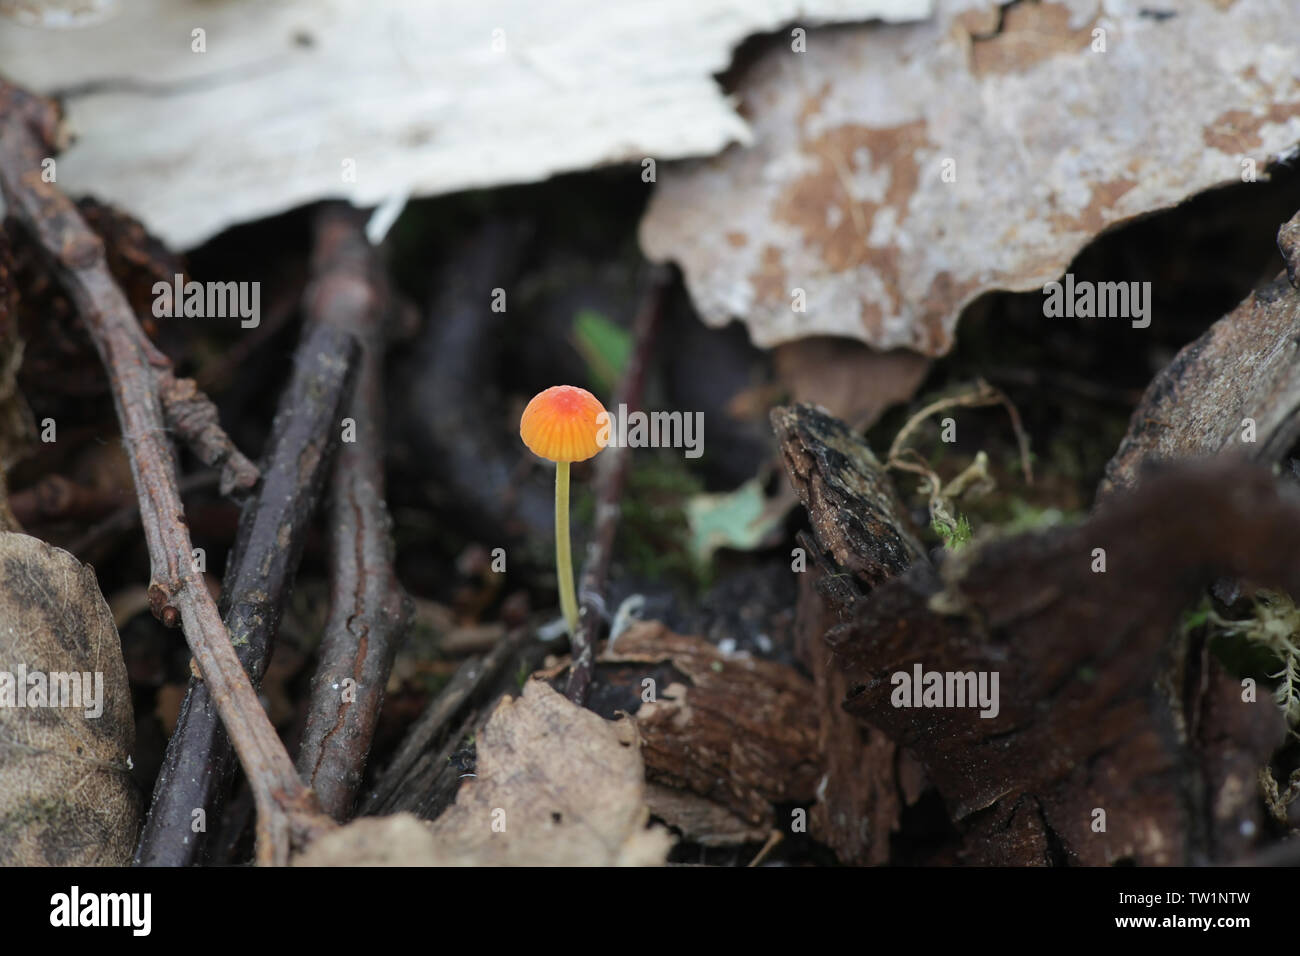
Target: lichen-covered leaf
(899,173)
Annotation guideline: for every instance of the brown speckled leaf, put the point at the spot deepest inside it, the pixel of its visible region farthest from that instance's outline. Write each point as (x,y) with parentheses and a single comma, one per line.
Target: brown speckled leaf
(842,194)
(65,792)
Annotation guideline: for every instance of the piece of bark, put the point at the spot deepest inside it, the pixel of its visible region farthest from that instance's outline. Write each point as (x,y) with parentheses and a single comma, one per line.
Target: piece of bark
(1096,689)
(859,540)
(859,797)
(1231,737)
(737,730)
(851,501)
(1246,366)
(424,103)
(866,206)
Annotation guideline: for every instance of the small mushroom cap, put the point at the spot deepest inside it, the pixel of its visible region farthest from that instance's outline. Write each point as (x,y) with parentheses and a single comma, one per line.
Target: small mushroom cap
(563,424)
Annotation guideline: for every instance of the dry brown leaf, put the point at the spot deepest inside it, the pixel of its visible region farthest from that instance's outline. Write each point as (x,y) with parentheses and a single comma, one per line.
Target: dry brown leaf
(65,791)
(701,820)
(851,381)
(557,785)
(844,195)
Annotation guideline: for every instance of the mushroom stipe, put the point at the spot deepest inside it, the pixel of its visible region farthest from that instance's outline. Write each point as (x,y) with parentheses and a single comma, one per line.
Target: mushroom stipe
(562,424)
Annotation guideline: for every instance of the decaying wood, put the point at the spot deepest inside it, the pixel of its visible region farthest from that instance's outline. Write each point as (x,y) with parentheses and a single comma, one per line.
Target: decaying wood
(736,730)
(1246,366)
(198,763)
(287,813)
(860,539)
(859,797)
(1102,706)
(851,502)
(699,819)
(368,607)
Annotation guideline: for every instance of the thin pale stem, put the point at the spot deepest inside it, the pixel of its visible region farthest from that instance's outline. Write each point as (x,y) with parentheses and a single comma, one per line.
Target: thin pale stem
(563,552)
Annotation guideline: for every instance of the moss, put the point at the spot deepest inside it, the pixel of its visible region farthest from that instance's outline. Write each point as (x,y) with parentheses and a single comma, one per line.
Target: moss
(653,533)
(1265,644)
(955,535)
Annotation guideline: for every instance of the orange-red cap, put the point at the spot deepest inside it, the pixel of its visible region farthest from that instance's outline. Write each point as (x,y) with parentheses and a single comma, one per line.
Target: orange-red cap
(562,424)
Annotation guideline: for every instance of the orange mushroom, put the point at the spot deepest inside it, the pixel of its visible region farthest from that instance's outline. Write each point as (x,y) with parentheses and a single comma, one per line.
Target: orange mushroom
(564,424)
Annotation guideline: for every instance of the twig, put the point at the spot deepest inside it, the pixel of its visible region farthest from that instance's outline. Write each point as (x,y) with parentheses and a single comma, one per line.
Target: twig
(193,418)
(198,764)
(287,814)
(369,610)
(773,839)
(611,472)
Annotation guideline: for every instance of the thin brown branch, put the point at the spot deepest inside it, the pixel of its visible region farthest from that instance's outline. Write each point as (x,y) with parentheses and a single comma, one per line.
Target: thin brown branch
(287,812)
(369,610)
(272,529)
(192,417)
(611,473)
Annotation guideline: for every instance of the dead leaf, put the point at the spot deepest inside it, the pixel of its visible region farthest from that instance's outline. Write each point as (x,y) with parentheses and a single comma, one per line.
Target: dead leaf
(699,819)
(898,174)
(557,785)
(66,797)
(454,98)
(853,382)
